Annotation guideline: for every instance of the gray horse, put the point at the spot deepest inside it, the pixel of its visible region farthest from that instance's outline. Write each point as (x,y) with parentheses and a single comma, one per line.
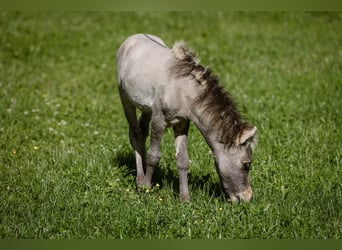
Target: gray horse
(171,88)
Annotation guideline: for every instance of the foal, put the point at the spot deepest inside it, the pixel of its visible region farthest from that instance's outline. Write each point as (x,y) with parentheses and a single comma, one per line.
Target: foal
(171,89)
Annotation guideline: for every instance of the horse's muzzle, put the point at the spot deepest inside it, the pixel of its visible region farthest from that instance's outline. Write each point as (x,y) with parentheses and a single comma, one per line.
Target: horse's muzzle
(244,196)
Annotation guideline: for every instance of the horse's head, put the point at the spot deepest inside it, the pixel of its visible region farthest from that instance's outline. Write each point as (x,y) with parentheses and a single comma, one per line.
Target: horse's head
(233,165)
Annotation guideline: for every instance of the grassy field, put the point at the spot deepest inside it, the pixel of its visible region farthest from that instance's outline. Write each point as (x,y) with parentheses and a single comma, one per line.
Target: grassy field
(66,166)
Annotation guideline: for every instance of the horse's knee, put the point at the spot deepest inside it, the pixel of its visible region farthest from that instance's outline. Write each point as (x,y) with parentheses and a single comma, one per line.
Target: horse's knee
(182,161)
(152,159)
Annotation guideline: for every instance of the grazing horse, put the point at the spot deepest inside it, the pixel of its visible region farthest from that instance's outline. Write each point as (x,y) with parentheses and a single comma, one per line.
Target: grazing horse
(171,88)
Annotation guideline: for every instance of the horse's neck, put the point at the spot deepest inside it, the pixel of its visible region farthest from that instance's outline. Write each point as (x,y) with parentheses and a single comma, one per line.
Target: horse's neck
(202,122)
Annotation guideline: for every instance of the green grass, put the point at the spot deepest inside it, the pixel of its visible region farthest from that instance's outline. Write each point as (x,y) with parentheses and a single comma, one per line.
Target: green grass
(66,166)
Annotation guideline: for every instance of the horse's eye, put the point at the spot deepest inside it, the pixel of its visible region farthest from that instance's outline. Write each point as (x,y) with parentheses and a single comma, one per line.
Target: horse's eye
(246,165)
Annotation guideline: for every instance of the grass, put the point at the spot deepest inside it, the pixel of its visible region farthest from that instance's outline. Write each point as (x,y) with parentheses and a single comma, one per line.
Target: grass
(66,166)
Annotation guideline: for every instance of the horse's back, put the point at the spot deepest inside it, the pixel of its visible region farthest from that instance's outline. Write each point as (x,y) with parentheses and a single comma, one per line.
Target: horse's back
(142,68)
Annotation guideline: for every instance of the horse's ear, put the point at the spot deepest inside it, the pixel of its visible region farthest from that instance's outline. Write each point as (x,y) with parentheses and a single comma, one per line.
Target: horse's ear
(246,134)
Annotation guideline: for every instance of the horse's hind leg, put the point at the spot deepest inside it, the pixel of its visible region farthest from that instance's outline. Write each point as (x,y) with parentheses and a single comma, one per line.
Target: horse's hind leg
(144,122)
(137,135)
(153,155)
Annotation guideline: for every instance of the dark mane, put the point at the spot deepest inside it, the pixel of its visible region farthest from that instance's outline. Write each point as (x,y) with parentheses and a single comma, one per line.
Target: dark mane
(214,101)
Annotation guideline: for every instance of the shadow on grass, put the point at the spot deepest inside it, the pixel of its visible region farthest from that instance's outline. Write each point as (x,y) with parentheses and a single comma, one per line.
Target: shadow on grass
(168,176)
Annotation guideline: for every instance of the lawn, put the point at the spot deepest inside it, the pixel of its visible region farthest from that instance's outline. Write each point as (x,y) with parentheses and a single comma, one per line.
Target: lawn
(66,166)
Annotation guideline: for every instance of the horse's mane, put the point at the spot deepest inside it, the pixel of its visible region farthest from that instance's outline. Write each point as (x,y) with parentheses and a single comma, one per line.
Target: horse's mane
(215,102)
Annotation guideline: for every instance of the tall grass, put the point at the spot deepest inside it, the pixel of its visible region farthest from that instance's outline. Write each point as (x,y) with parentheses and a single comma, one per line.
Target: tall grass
(66,166)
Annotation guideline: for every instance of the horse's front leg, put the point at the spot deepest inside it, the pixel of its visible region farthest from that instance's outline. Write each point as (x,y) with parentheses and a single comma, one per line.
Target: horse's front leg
(153,155)
(182,158)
